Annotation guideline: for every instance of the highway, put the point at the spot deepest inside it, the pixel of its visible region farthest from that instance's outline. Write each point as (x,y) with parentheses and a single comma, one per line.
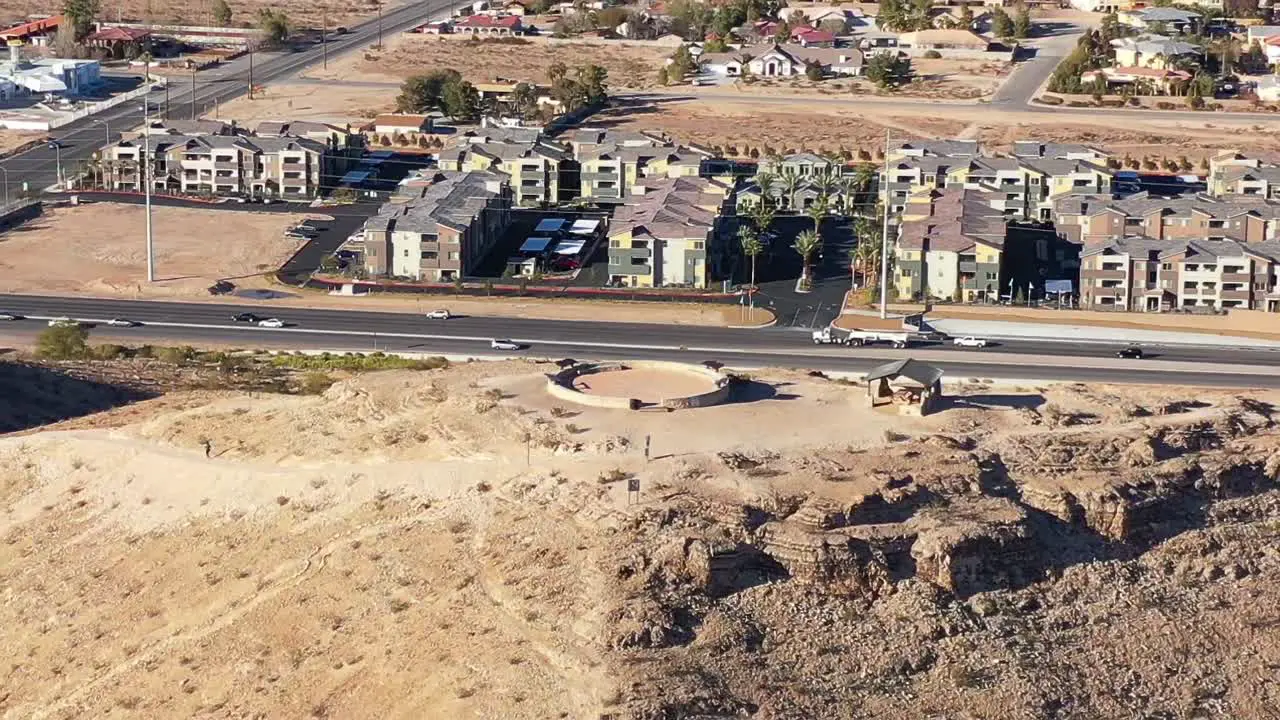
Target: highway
(79,140)
(342,330)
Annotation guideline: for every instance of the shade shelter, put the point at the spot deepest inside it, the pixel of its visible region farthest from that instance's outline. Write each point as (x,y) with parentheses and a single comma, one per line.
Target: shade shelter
(914,387)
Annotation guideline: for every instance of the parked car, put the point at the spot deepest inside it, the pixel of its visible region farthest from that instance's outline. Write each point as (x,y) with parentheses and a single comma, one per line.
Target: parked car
(564,264)
(10,316)
(340,30)
(970,341)
(245,317)
(440,314)
(1133,353)
(121,322)
(271,323)
(64,322)
(345,255)
(504,344)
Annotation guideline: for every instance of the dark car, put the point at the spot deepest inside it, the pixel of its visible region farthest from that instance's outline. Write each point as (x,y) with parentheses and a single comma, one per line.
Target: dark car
(246,317)
(1133,353)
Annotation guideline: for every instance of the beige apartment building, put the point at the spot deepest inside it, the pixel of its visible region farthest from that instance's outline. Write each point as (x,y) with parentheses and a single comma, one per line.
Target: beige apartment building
(1092,219)
(289,167)
(669,232)
(1146,274)
(440,231)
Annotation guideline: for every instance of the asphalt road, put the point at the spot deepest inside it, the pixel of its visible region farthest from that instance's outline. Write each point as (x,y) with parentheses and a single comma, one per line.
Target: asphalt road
(38,167)
(208,323)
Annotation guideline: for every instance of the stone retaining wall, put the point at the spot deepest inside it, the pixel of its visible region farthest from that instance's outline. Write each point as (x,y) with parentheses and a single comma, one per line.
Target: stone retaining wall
(560,385)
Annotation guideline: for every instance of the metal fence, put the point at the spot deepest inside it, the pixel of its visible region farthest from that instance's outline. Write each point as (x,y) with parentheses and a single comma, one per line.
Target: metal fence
(107,104)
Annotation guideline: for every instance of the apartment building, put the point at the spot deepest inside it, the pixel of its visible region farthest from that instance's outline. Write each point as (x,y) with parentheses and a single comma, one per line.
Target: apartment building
(611,162)
(440,230)
(1091,219)
(290,167)
(950,244)
(1036,150)
(669,232)
(532,162)
(1155,275)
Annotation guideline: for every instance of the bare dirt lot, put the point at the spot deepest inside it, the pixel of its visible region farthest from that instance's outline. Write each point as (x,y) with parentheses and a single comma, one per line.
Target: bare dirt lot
(740,127)
(12,139)
(200,12)
(310,101)
(1124,137)
(99,249)
(630,65)
(387,549)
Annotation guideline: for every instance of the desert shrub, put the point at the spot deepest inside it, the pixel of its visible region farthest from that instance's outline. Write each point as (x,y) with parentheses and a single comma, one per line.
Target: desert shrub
(1164,105)
(615,475)
(108,352)
(63,342)
(375,361)
(314,383)
(932,55)
(176,355)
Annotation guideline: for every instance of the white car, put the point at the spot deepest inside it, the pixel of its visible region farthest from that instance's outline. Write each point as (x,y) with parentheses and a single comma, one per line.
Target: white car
(271,323)
(8,316)
(504,344)
(440,314)
(970,341)
(64,322)
(121,322)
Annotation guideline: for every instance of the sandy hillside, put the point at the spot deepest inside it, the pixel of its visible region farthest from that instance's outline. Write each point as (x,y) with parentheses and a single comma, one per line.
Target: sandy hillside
(200,12)
(451,543)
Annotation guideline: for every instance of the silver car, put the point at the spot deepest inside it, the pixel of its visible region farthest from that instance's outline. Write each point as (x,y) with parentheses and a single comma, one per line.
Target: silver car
(497,344)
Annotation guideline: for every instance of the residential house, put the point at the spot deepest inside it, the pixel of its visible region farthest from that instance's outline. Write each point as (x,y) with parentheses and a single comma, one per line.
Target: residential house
(489,25)
(1260,34)
(532,162)
(120,42)
(804,164)
(442,230)
(1165,82)
(783,60)
(949,245)
(404,125)
(288,167)
(1237,173)
(669,232)
(1154,51)
(1147,274)
(810,38)
(1034,149)
(1156,18)
(955,39)
(1092,219)
(948,17)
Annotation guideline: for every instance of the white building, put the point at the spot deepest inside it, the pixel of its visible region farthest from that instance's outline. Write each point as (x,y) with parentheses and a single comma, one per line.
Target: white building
(47,75)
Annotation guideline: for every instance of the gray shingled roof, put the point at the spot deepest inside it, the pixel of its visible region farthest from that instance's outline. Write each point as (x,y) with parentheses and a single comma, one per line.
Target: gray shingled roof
(912,369)
(453,200)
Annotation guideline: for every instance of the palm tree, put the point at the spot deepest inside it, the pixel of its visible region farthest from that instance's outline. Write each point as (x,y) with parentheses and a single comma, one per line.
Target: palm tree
(864,175)
(825,183)
(765,181)
(790,184)
(749,238)
(807,243)
(816,212)
(762,215)
(867,252)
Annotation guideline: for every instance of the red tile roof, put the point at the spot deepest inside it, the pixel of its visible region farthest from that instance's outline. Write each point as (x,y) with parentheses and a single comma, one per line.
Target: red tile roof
(120,34)
(32,28)
(813,36)
(484,21)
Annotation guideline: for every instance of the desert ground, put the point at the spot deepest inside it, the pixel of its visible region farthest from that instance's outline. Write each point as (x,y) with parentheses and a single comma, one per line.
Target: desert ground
(12,139)
(200,12)
(452,543)
(630,65)
(99,249)
(318,102)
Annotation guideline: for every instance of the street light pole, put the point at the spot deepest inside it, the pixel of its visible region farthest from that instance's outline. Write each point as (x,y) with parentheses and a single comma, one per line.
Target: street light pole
(324,38)
(57,155)
(884,236)
(146,180)
(6,186)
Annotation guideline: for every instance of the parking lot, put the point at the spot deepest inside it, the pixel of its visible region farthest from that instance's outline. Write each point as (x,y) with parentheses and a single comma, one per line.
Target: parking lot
(592,259)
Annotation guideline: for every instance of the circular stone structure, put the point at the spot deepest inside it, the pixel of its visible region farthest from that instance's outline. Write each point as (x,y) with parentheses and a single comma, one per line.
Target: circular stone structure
(639,384)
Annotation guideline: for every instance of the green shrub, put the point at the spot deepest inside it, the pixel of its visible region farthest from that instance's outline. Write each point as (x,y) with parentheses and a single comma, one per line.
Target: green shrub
(176,355)
(375,361)
(932,55)
(315,383)
(108,352)
(63,342)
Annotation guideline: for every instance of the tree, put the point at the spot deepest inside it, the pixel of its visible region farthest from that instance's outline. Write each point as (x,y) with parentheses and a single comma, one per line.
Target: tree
(813,70)
(222,13)
(524,100)
(806,244)
(81,14)
(1001,24)
(762,215)
(1022,23)
(825,183)
(867,252)
(887,70)
(592,79)
(63,341)
(274,24)
(421,93)
(966,17)
(557,72)
(790,184)
(765,181)
(460,100)
(816,212)
(749,238)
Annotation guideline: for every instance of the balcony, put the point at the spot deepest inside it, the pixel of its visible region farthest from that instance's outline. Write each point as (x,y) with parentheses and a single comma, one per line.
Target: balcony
(1234,295)
(1105,274)
(968,267)
(1236,277)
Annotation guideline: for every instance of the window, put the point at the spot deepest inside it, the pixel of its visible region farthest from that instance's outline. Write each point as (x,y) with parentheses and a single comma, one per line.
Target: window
(1217,223)
(637,261)
(1166,266)
(1191,267)
(453,256)
(1190,285)
(991,276)
(371,251)
(428,237)
(406,252)
(1210,268)
(906,273)
(429,255)
(698,245)
(615,243)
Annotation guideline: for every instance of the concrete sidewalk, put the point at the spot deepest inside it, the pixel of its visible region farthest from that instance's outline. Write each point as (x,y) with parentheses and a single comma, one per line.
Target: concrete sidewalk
(999,329)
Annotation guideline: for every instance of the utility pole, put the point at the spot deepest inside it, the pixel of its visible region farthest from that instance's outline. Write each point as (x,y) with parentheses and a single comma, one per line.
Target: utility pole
(146,178)
(251,72)
(6,186)
(884,239)
(324,38)
(193,93)
(379,24)
(166,100)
